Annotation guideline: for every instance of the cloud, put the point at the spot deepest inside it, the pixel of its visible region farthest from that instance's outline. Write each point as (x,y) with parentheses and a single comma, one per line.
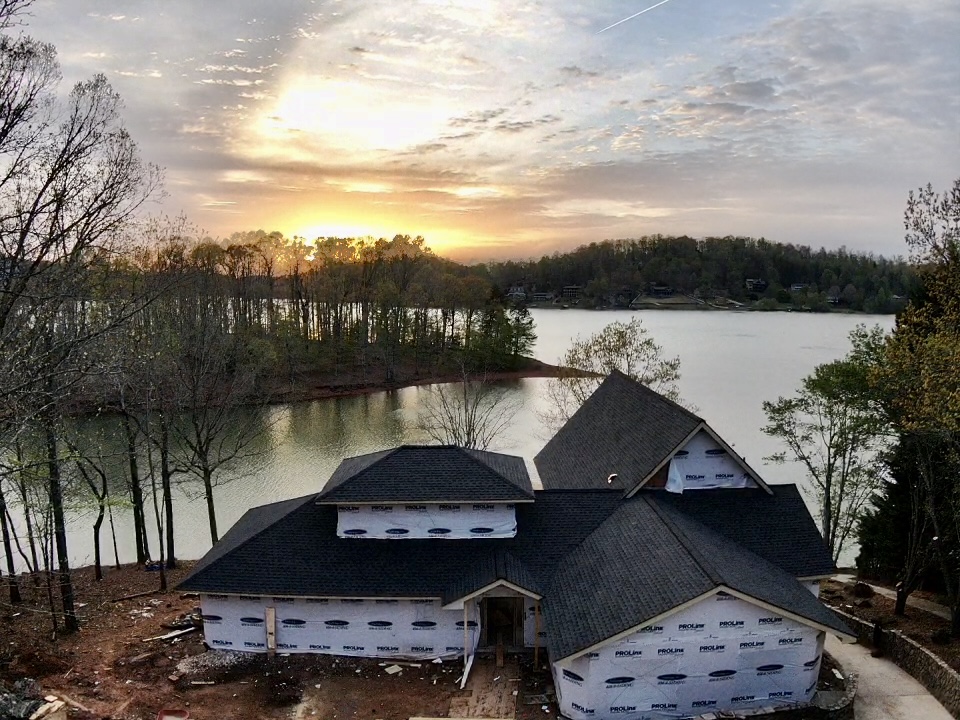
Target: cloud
(479,120)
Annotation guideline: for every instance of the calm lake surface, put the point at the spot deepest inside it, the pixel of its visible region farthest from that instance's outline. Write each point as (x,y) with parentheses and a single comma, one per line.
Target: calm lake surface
(730,363)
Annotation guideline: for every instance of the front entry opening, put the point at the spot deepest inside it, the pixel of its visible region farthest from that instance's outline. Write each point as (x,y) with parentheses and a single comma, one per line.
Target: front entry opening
(502,622)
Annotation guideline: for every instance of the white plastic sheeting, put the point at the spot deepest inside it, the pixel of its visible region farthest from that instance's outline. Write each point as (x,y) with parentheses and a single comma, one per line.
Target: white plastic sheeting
(532,635)
(720,654)
(702,464)
(385,628)
(427,520)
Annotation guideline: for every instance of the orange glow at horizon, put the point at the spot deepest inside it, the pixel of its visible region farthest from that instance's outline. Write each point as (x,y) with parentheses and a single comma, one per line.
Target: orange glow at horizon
(440,241)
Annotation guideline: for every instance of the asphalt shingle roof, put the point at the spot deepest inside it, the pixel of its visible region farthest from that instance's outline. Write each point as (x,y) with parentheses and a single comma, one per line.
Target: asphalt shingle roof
(776,526)
(294,551)
(429,473)
(624,428)
(647,559)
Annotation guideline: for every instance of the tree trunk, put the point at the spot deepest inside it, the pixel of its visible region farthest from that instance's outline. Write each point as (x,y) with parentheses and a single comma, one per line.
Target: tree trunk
(24,498)
(900,608)
(211,512)
(97,568)
(136,494)
(8,551)
(165,482)
(113,535)
(59,529)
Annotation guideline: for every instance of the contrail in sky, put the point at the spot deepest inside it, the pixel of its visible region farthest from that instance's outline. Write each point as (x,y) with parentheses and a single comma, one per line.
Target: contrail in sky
(662,2)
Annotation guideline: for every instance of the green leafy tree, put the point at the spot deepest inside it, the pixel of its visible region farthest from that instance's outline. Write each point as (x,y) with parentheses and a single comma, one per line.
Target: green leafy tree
(833,426)
(628,347)
(922,372)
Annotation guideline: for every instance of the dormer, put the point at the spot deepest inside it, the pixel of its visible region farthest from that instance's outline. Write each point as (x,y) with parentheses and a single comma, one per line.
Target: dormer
(428,492)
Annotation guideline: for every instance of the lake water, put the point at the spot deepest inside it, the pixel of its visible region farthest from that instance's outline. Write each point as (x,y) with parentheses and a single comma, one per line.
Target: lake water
(730,363)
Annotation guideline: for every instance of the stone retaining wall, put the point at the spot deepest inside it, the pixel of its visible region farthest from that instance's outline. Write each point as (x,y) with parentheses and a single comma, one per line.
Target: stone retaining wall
(934,674)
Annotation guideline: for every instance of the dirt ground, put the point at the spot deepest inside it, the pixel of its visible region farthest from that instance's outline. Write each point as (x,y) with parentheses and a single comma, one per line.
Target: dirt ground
(916,624)
(108,669)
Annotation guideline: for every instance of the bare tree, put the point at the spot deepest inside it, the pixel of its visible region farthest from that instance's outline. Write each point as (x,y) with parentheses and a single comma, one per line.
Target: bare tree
(71,181)
(472,413)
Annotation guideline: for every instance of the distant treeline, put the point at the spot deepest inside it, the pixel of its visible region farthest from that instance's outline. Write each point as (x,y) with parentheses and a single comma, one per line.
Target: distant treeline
(613,272)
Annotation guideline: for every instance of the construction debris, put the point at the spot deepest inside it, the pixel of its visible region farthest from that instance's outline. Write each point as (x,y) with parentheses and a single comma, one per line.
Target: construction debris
(24,702)
(134,596)
(172,635)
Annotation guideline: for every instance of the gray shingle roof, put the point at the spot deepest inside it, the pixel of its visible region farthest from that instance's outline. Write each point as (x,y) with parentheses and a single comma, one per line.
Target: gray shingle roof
(776,526)
(294,550)
(647,559)
(623,428)
(423,473)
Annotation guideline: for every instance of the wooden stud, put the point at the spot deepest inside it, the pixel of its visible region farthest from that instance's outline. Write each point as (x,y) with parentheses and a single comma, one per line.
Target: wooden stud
(271,631)
(466,635)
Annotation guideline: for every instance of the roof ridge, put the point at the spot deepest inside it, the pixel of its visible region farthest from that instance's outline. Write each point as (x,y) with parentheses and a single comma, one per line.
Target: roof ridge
(698,557)
(468,452)
(660,395)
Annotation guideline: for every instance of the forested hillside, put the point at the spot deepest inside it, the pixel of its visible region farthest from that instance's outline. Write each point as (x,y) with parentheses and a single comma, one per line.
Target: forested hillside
(614,272)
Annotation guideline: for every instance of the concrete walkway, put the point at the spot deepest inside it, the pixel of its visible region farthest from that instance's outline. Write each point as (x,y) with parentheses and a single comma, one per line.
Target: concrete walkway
(919,603)
(885,691)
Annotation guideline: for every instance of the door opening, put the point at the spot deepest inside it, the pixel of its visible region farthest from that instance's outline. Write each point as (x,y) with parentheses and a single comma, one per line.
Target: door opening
(502,622)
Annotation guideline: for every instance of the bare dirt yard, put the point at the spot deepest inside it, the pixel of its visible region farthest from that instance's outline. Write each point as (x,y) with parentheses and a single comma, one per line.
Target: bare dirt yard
(110,670)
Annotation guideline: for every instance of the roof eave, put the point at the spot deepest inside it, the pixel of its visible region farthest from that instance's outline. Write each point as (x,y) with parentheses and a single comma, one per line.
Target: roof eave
(844,637)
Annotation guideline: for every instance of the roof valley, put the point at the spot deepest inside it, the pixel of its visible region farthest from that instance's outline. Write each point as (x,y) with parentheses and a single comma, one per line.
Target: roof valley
(708,568)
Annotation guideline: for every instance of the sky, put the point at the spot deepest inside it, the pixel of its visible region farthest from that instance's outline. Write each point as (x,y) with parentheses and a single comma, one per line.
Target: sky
(513,128)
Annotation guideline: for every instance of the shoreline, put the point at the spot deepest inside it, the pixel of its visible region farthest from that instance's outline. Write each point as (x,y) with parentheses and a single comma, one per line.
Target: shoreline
(697,307)
(319,390)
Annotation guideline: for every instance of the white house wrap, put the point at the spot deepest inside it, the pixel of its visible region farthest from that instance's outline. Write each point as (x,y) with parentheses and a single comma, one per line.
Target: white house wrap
(721,653)
(451,521)
(386,628)
(702,464)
